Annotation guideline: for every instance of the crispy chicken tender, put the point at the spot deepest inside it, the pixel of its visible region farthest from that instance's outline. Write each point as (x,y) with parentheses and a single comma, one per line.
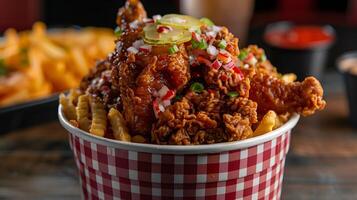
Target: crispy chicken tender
(272,93)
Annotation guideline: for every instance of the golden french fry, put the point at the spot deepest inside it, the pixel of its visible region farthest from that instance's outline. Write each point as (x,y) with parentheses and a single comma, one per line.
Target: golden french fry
(83,112)
(42,62)
(99,118)
(68,109)
(73,96)
(266,124)
(15,97)
(80,63)
(39,30)
(138,139)
(120,131)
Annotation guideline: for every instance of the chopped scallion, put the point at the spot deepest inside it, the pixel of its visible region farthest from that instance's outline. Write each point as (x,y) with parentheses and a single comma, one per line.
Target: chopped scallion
(243,55)
(197,87)
(173,49)
(207,21)
(222,44)
(233,94)
(118,31)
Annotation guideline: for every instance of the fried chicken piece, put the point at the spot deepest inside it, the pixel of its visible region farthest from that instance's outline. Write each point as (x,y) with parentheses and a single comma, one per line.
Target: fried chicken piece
(237,127)
(133,10)
(272,93)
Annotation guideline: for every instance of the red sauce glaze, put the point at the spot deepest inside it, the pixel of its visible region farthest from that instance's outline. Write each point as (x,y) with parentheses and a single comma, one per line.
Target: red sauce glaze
(299,37)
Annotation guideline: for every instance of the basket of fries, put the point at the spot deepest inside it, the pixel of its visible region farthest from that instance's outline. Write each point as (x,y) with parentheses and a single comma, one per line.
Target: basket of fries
(248,169)
(35,64)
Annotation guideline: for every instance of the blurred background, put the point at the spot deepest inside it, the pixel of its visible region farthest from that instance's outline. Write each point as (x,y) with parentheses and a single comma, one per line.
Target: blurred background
(247,18)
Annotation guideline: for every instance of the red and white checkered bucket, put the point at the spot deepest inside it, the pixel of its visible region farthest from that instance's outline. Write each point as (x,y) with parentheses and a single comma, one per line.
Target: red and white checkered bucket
(248,169)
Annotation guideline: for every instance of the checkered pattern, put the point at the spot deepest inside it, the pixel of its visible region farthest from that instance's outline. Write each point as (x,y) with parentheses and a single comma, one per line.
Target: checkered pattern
(110,173)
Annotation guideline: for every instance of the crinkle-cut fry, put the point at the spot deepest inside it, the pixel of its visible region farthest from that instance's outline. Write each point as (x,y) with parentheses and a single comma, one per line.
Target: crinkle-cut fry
(99,118)
(120,131)
(69,111)
(73,96)
(266,124)
(138,139)
(82,111)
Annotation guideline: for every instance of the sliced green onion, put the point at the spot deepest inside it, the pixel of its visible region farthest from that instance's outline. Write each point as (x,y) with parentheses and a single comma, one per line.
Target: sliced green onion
(222,44)
(118,31)
(3,69)
(199,45)
(207,21)
(178,97)
(233,94)
(173,49)
(203,44)
(243,55)
(263,58)
(195,44)
(197,87)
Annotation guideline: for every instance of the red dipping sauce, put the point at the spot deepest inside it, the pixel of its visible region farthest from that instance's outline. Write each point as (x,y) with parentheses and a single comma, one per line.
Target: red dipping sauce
(299,37)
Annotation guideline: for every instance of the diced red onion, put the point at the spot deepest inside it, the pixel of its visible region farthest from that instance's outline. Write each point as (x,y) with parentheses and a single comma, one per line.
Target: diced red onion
(212,50)
(156,17)
(145,48)
(196,36)
(251,59)
(138,43)
(216,64)
(132,50)
(216,28)
(166,103)
(161,107)
(211,34)
(229,65)
(169,95)
(162,92)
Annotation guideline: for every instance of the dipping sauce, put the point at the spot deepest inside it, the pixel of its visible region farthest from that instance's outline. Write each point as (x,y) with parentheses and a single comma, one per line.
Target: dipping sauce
(299,37)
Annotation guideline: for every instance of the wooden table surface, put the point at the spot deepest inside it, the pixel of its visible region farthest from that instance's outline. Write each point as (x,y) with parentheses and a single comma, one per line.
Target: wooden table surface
(37,163)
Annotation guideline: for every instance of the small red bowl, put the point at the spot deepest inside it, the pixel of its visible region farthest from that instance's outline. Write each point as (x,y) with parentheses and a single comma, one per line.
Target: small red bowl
(247,169)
